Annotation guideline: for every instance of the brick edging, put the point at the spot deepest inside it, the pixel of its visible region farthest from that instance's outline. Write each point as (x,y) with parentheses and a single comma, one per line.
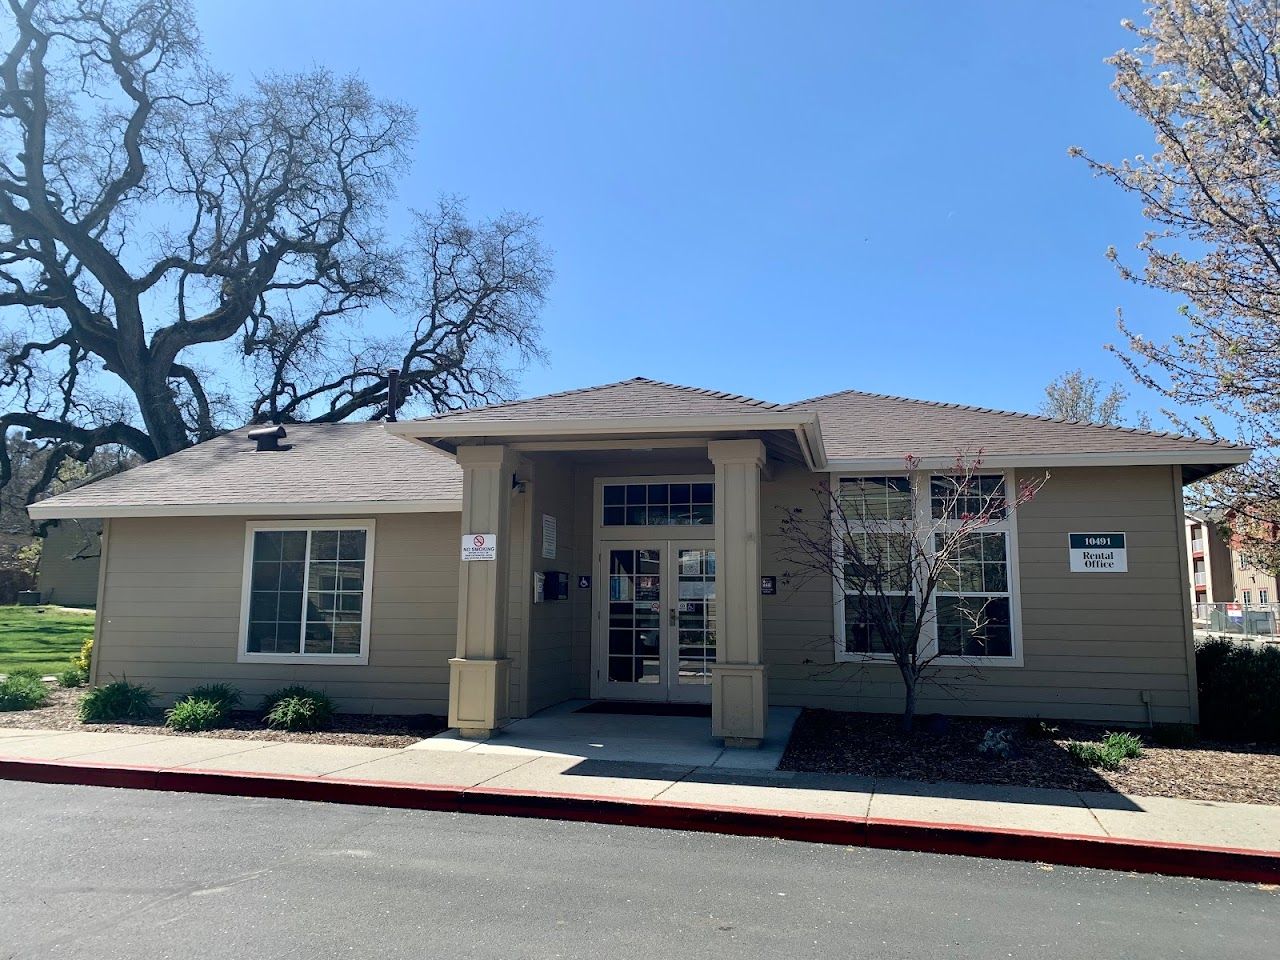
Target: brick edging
(1139,856)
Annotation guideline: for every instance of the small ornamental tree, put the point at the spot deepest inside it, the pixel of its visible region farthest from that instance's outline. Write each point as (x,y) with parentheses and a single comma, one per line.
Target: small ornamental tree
(920,561)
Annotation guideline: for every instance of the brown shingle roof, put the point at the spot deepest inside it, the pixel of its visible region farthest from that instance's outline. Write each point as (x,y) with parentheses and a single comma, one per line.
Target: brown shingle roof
(637,397)
(326,463)
(864,426)
(363,464)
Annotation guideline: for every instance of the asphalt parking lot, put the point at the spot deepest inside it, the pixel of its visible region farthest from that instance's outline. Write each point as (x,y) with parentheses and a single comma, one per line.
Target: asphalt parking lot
(101,873)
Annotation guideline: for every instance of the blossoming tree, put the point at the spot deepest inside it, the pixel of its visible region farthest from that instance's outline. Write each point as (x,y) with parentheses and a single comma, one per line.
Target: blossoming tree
(1205,75)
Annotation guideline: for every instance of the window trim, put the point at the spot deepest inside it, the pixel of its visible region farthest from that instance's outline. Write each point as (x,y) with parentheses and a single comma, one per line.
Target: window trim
(922,507)
(252,527)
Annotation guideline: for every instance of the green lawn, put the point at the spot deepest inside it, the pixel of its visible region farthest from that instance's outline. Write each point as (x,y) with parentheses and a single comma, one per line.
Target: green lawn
(42,637)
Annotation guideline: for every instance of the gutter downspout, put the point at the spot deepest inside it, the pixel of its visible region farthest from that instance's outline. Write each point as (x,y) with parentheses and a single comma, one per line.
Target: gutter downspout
(99,618)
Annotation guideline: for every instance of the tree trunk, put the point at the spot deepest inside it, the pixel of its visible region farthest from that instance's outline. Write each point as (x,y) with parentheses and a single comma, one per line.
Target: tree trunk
(160,413)
(908,702)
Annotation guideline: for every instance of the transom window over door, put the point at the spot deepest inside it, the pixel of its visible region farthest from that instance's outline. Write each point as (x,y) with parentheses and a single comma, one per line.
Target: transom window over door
(307,592)
(658,504)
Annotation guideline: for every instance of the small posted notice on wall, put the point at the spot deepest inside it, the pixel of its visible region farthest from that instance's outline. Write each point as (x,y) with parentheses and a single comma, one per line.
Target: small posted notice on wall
(548,537)
(480,546)
(1098,553)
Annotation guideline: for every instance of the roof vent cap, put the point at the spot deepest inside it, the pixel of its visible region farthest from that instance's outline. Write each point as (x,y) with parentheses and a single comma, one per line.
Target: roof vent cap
(268,438)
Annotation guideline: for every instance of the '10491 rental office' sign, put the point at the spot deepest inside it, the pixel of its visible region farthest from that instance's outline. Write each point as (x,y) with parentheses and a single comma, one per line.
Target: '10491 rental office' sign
(1098,553)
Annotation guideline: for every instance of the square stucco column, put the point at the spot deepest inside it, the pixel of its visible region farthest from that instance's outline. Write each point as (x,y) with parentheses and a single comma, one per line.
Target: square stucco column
(478,674)
(738,698)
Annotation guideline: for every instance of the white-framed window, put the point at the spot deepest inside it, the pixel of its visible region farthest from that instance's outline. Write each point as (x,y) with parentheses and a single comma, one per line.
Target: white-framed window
(1264,595)
(1247,597)
(974,615)
(307,591)
(878,512)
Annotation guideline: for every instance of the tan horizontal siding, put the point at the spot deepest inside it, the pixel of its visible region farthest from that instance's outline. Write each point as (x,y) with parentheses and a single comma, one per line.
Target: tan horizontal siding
(172,613)
(1092,643)
(550,626)
(69,563)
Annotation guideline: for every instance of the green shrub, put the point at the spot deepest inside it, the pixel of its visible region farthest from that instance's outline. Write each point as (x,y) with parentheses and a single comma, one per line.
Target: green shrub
(84,659)
(1093,755)
(203,708)
(297,690)
(1114,749)
(31,672)
(1239,690)
(222,693)
(298,709)
(22,691)
(117,701)
(195,713)
(1126,746)
(71,677)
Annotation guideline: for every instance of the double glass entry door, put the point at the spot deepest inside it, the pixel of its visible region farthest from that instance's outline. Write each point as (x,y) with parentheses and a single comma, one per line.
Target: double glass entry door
(656,621)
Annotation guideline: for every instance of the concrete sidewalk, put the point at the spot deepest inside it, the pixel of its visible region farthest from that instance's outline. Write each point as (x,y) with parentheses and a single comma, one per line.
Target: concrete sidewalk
(565,730)
(496,780)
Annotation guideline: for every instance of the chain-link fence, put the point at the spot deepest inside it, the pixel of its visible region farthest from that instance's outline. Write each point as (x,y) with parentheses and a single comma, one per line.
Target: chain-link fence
(1260,620)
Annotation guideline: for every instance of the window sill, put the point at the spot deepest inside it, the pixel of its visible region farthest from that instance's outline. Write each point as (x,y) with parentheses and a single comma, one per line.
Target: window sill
(330,659)
(1014,661)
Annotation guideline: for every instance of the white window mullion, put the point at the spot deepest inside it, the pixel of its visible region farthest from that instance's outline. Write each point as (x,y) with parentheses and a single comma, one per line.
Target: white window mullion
(306,586)
(841,590)
(922,489)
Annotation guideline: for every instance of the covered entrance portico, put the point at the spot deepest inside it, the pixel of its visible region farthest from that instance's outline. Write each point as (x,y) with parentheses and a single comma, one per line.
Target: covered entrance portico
(653,525)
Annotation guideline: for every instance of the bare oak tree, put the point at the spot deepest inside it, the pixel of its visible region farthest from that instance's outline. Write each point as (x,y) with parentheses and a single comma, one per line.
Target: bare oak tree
(156,223)
(1205,75)
(911,562)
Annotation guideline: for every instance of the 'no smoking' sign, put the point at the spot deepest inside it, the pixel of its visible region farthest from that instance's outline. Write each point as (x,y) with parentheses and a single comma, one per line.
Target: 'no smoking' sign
(480,546)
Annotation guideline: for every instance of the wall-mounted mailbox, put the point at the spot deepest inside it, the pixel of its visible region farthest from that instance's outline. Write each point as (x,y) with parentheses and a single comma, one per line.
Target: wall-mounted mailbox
(550,585)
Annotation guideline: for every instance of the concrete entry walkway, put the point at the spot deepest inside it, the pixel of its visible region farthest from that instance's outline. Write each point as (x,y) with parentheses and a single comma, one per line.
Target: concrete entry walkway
(561,731)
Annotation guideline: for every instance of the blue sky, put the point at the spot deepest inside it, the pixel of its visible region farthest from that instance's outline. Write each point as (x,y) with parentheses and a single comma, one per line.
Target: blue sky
(778,199)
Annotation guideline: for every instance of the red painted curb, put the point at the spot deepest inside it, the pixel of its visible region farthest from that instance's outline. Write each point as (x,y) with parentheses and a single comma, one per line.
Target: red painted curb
(1190,860)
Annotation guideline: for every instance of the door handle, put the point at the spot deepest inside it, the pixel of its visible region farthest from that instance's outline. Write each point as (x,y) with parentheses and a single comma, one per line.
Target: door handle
(671,616)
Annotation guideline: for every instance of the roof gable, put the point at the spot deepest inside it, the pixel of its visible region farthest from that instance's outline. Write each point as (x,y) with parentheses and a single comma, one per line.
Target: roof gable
(637,397)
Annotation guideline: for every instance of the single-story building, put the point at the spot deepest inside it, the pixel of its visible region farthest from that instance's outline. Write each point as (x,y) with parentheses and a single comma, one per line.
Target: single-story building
(623,541)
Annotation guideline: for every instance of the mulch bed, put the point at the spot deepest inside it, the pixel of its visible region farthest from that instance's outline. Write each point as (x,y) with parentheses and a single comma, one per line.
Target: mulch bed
(872,745)
(349,729)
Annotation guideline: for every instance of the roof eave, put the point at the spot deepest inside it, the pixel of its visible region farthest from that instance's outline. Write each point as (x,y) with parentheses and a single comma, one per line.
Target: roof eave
(809,436)
(51,510)
(439,434)
(1214,459)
